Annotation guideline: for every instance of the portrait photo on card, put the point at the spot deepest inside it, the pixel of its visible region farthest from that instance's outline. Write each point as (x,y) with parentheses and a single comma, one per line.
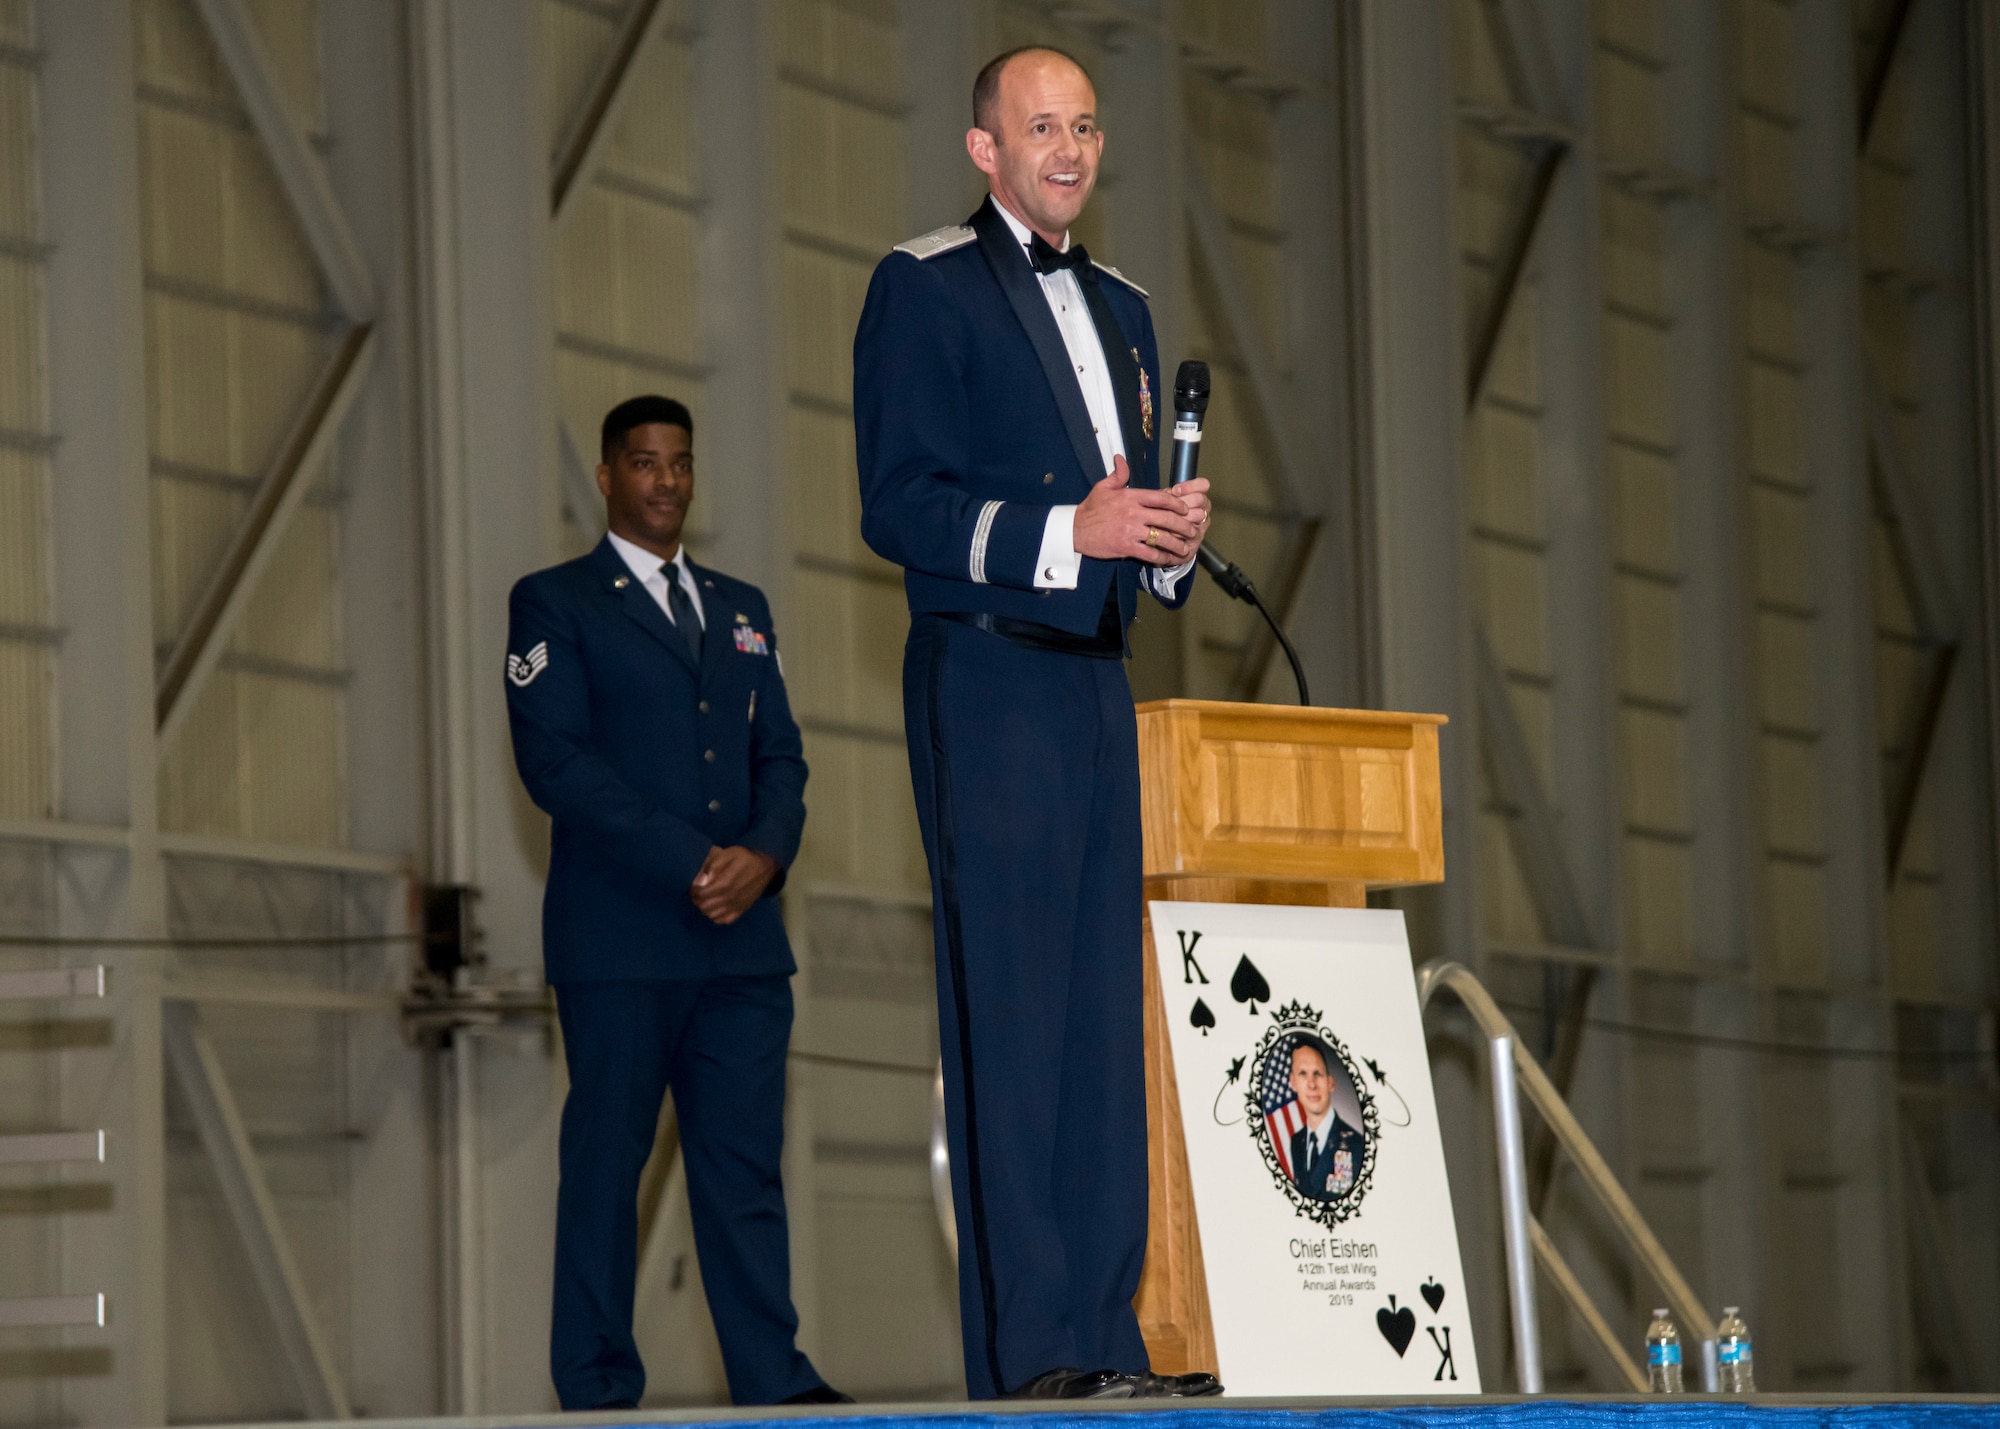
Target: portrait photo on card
(1311,1121)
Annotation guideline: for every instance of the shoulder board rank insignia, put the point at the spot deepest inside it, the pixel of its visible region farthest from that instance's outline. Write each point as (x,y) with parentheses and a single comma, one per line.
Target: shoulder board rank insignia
(1107,268)
(938,240)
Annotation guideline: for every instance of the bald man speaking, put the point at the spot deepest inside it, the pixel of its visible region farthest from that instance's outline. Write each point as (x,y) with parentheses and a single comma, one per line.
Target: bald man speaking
(1006,398)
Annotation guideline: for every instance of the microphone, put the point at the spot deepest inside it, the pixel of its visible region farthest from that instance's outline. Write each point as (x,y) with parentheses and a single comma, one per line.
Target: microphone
(1190,405)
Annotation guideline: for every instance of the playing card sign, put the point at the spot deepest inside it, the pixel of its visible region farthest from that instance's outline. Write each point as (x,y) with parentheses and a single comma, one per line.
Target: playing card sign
(1319,1185)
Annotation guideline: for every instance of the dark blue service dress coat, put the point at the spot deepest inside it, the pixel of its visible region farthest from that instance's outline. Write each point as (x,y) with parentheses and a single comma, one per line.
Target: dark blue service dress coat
(1317,1179)
(969,425)
(645,761)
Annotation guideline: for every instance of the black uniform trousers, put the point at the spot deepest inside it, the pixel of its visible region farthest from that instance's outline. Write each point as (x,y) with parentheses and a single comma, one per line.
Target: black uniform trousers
(720,1043)
(1026,769)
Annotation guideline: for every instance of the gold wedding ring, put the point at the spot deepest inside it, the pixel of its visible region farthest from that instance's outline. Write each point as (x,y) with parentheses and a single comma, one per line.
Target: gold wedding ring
(1152,537)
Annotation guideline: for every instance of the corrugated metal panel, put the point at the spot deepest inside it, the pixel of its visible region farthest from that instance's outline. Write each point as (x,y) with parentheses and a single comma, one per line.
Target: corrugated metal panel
(625,267)
(1506,550)
(840,162)
(236,331)
(27,599)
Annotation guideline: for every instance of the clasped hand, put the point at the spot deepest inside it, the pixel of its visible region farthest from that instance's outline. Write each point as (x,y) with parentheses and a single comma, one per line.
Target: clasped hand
(731,879)
(1115,520)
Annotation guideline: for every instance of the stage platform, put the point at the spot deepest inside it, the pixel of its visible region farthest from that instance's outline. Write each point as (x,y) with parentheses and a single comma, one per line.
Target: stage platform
(1493,1411)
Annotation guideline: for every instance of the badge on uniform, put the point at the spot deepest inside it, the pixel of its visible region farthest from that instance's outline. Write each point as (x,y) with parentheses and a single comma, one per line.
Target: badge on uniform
(522,669)
(749,641)
(1145,399)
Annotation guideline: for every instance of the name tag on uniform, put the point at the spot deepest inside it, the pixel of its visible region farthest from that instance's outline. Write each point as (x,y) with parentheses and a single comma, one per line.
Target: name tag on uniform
(750,642)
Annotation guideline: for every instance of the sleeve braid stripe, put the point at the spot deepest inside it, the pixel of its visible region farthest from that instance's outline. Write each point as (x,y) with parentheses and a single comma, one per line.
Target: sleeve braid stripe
(980,534)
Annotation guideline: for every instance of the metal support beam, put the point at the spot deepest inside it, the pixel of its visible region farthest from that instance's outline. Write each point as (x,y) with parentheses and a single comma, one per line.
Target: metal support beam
(1536,839)
(1512,264)
(223,1135)
(1880,64)
(1530,67)
(1211,237)
(583,144)
(579,481)
(1937,1301)
(1913,533)
(299,170)
(276,501)
(1906,781)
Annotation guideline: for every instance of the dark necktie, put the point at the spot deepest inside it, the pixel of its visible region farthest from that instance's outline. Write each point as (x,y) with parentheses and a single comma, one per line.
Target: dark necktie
(1312,1148)
(1047,260)
(681,607)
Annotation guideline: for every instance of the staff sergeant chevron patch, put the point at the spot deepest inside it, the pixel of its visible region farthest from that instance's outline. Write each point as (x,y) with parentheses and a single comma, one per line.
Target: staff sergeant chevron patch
(522,669)
(938,240)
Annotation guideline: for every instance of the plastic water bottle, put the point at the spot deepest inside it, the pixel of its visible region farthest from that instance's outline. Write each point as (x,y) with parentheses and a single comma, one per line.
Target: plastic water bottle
(1732,1354)
(1663,1355)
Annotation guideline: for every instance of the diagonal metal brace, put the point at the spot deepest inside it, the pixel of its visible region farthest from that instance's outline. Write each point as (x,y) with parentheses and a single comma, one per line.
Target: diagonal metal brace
(219,1121)
(581,149)
(1211,237)
(1533,831)
(300,173)
(276,501)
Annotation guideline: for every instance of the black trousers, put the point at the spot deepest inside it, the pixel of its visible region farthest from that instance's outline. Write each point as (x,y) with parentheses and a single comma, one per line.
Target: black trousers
(720,1044)
(1026,769)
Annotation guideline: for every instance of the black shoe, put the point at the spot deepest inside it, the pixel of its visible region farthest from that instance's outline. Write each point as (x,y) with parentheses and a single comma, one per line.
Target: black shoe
(1076,1384)
(1178,1386)
(819,1394)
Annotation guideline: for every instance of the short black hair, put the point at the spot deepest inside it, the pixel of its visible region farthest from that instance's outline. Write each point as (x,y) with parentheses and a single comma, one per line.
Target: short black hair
(1309,1041)
(639,412)
(986,88)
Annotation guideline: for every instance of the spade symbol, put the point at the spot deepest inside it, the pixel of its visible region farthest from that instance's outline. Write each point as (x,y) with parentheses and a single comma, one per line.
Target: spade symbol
(1201,1017)
(1433,1294)
(1248,985)
(1398,1327)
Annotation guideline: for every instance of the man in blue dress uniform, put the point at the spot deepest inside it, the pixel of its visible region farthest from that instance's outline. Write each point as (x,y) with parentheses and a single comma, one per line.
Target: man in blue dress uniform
(1006,418)
(650,722)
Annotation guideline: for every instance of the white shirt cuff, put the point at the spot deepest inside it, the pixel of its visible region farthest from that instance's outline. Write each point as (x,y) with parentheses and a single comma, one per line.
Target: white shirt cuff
(1057,567)
(1166,582)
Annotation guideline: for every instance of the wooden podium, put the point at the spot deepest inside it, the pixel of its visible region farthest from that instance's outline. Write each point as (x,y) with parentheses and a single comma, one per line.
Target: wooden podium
(1259,804)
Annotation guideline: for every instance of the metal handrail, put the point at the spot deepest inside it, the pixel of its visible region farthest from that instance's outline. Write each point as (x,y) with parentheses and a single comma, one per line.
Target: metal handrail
(1513,1065)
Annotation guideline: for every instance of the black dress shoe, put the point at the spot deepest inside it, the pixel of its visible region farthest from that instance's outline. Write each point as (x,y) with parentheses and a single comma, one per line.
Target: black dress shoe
(1178,1386)
(820,1394)
(1076,1384)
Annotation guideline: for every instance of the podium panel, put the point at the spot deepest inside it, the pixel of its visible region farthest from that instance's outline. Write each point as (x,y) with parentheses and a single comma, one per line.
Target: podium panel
(1245,803)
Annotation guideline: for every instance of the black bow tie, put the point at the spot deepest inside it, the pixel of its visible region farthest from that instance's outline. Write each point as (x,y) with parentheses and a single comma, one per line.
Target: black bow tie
(1047,260)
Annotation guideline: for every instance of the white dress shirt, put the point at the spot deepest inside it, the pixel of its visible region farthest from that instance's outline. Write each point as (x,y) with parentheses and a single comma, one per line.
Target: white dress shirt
(1060,562)
(651,572)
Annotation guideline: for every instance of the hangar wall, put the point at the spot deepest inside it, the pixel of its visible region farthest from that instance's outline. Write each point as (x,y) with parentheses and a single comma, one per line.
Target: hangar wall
(1581,375)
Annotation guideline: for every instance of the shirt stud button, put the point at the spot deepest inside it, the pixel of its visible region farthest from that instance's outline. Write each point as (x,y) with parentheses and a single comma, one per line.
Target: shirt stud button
(709,755)
(715,806)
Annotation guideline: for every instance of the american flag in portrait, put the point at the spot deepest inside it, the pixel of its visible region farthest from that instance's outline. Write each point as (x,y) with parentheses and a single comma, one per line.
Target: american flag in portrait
(1280,1104)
